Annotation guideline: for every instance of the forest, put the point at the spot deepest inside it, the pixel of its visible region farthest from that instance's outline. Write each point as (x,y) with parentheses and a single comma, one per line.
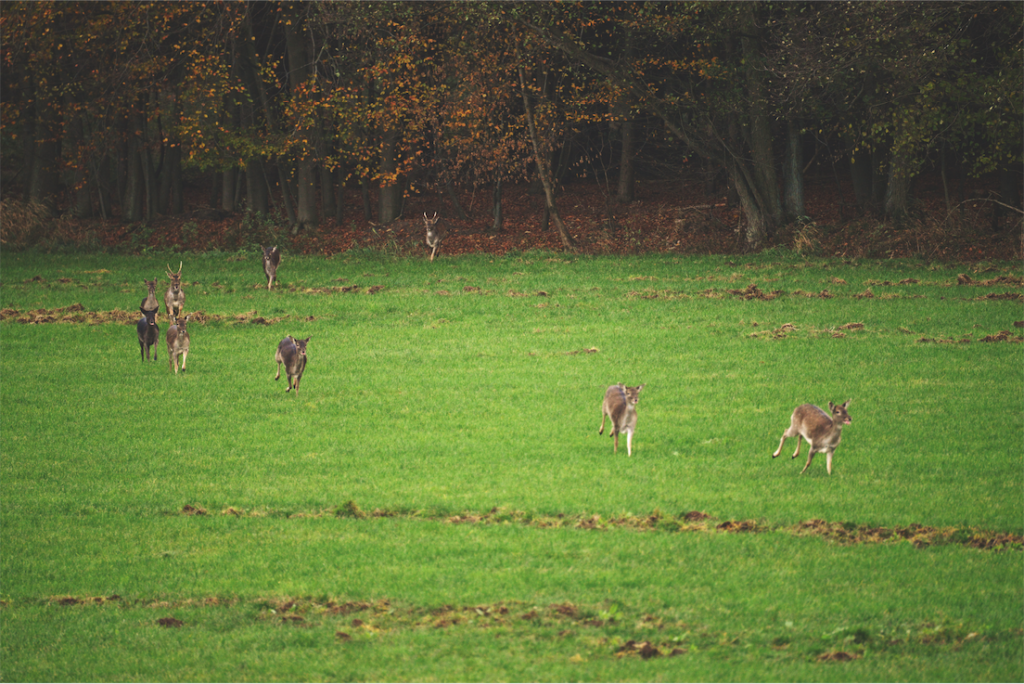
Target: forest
(684,126)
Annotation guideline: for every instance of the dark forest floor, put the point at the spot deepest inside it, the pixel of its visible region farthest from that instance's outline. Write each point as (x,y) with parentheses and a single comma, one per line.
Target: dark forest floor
(668,216)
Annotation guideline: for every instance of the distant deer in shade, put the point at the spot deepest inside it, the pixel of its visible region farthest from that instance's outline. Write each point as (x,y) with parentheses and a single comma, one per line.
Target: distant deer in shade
(435,233)
(821,430)
(292,353)
(174,299)
(148,332)
(271,259)
(177,344)
(620,406)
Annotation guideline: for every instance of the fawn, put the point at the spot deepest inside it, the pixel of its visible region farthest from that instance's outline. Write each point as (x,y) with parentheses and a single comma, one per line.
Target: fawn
(271,259)
(148,331)
(174,300)
(435,233)
(620,406)
(292,353)
(821,431)
(177,344)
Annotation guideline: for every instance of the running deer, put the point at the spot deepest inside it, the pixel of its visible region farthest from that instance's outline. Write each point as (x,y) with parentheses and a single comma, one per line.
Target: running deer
(271,258)
(174,300)
(292,353)
(148,331)
(177,344)
(150,303)
(821,431)
(435,233)
(620,406)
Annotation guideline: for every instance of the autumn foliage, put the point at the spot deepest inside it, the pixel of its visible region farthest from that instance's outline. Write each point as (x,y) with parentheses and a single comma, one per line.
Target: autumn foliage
(601,127)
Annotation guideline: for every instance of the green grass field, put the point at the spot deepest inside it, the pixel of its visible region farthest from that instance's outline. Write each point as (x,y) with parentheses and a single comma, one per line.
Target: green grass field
(436,503)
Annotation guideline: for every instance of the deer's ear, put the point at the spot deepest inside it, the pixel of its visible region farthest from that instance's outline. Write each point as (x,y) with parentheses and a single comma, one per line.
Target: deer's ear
(847,403)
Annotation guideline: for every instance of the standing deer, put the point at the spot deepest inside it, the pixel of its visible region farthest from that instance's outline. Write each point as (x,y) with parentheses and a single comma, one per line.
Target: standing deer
(148,331)
(150,303)
(435,233)
(292,353)
(620,406)
(271,258)
(177,344)
(174,300)
(821,431)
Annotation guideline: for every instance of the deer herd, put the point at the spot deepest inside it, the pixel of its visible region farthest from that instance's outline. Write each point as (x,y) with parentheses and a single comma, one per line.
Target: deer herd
(820,429)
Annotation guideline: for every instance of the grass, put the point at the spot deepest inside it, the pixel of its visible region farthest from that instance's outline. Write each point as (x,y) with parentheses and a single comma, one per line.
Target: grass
(435,504)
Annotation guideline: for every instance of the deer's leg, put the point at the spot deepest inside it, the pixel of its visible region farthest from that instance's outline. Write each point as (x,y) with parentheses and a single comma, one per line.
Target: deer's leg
(615,436)
(629,442)
(781,442)
(797,452)
(601,431)
(184,357)
(810,457)
(828,462)
(278,376)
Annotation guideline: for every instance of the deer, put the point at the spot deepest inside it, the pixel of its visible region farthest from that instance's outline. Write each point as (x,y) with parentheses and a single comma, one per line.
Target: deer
(620,406)
(150,303)
(434,233)
(174,300)
(148,331)
(821,430)
(292,353)
(271,259)
(177,343)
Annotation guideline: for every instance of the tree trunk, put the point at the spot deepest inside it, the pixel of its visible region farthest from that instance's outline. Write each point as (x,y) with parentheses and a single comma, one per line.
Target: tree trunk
(761,176)
(257,193)
(76,130)
(327,194)
(389,206)
(364,191)
(339,189)
(625,190)
(227,190)
(499,219)
(298,72)
(897,193)
(792,174)
(758,221)
(132,201)
(44,178)
(543,171)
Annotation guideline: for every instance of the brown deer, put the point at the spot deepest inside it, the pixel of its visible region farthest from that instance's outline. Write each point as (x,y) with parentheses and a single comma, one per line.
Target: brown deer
(177,344)
(292,353)
(150,303)
(271,259)
(620,406)
(435,233)
(148,331)
(821,430)
(174,300)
